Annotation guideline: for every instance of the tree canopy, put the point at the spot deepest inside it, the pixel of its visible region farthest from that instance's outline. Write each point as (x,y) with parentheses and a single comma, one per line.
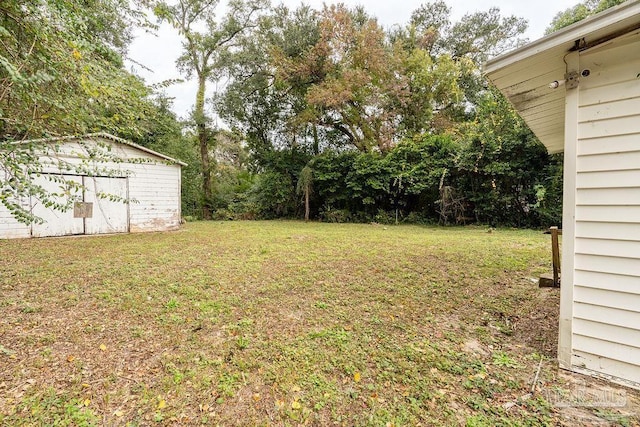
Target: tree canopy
(579,12)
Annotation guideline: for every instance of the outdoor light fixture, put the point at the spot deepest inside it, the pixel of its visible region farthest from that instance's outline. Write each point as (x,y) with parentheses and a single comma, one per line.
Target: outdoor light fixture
(556,84)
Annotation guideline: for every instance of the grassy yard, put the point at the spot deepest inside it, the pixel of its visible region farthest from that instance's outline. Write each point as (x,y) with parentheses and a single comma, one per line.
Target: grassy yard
(279,323)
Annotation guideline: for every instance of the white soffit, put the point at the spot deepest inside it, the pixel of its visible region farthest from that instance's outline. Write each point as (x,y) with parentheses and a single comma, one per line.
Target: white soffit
(524,74)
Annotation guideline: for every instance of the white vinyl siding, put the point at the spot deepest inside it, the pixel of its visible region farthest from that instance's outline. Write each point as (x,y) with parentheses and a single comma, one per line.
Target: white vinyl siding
(606,278)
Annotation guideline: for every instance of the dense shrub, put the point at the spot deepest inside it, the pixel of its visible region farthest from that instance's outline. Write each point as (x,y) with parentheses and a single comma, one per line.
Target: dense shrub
(427,179)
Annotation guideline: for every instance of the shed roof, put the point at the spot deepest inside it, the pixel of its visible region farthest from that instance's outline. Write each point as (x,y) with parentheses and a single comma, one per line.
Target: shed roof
(524,74)
(112,138)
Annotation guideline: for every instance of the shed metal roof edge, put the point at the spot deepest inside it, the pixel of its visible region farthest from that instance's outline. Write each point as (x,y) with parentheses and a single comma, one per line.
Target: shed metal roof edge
(567,35)
(111,137)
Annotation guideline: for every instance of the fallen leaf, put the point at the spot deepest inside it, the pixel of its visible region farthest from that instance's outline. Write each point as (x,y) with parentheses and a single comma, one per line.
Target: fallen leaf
(162,404)
(296,405)
(356,377)
(256,396)
(103,347)
(70,358)
(87,402)
(118,413)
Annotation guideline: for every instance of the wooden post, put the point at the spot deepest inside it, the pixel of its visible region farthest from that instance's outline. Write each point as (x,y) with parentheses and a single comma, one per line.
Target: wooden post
(546,280)
(555,253)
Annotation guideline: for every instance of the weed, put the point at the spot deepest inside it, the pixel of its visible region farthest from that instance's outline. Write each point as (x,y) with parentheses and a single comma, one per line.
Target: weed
(52,408)
(27,309)
(501,358)
(172,304)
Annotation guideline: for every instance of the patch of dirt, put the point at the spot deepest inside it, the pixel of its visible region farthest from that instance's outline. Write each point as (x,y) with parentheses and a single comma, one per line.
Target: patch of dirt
(474,346)
(538,329)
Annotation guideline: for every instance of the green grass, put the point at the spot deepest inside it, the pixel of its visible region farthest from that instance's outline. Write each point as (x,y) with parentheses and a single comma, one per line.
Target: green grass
(274,323)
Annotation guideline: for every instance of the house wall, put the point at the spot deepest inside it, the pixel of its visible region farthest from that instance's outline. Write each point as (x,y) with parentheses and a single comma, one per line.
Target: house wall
(605,325)
(150,183)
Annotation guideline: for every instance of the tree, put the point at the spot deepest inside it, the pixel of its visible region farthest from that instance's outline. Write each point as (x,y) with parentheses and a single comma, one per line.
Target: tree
(353,78)
(254,103)
(579,12)
(305,187)
(467,43)
(207,43)
(382,117)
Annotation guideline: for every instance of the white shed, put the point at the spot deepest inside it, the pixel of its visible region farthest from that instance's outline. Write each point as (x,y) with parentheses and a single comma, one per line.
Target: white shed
(594,117)
(117,187)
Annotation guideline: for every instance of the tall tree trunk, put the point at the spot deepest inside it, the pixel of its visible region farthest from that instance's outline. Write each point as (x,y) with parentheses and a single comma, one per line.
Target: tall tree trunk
(316,142)
(306,205)
(203,141)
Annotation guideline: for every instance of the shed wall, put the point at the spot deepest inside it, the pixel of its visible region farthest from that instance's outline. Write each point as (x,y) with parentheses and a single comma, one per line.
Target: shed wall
(10,228)
(606,277)
(152,185)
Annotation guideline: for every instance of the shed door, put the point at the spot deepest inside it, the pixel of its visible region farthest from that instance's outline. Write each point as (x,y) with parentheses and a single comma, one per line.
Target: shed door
(606,294)
(91,213)
(109,214)
(56,222)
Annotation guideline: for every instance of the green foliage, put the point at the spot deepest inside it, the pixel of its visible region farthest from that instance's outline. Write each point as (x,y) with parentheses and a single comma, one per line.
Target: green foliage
(500,164)
(549,192)
(274,195)
(500,171)
(579,12)
(305,188)
(59,409)
(305,181)
(61,73)
(393,124)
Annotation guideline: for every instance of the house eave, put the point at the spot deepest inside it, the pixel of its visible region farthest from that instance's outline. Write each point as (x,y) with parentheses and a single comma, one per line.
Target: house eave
(524,74)
(567,39)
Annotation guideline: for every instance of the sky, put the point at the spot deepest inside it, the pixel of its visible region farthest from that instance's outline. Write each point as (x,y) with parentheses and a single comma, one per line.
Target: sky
(158,53)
